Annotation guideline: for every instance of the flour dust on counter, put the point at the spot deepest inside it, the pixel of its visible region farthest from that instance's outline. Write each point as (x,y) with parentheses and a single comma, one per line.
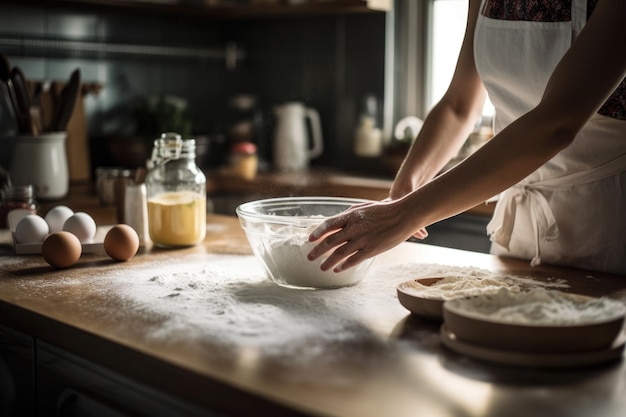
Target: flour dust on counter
(227,301)
(228,298)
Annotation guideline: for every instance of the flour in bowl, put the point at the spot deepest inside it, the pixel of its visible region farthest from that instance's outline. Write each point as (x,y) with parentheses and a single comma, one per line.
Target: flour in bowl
(538,306)
(452,287)
(285,256)
(463,282)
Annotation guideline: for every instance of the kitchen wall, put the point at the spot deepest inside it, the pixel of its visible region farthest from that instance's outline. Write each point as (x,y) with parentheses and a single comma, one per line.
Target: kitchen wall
(329,62)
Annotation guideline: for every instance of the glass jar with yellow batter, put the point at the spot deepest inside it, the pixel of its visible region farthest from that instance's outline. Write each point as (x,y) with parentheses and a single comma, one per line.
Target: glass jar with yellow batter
(176,193)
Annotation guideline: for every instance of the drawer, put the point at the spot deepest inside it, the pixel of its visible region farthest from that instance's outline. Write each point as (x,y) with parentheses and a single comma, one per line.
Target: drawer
(17,378)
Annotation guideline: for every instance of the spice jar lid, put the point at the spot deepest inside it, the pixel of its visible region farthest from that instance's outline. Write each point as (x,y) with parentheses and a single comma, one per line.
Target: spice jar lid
(19,192)
(247,148)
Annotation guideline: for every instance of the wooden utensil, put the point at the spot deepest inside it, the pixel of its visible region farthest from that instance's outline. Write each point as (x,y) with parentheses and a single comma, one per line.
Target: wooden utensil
(20,94)
(48,104)
(5,95)
(5,68)
(36,115)
(6,108)
(67,100)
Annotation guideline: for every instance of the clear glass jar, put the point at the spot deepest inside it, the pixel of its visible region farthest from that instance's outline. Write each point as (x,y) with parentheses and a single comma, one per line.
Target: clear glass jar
(17,197)
(176,193)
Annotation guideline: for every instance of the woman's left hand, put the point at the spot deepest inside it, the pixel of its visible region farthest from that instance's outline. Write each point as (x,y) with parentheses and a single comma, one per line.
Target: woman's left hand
(361,232)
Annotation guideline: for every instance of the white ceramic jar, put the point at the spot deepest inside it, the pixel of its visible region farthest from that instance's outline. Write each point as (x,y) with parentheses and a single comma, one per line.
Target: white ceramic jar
(41,161)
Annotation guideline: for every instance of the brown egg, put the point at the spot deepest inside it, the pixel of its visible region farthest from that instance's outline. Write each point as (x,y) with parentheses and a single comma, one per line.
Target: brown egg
(61,249)
(121,242)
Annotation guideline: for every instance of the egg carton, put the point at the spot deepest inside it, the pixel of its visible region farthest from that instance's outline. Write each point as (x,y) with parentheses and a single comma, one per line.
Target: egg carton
(34,248)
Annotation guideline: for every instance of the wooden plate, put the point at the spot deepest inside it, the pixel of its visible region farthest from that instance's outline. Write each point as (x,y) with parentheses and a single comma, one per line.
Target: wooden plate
(536,360)
(426,308)
(487,330)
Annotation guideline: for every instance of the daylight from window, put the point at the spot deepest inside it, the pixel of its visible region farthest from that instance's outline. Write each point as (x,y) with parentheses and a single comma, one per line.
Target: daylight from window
(449,19)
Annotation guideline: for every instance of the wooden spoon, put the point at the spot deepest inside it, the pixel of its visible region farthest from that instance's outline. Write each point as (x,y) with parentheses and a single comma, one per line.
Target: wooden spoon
(5,68)
(67,100)
(18,87)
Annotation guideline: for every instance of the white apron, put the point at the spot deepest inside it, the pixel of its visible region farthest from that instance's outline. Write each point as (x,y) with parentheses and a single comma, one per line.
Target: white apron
(572,210)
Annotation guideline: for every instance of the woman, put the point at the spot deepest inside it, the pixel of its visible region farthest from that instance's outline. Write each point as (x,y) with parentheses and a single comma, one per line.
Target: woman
(555,73)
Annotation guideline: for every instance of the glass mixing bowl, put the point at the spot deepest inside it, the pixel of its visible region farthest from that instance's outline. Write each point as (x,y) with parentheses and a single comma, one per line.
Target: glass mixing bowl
(278,230)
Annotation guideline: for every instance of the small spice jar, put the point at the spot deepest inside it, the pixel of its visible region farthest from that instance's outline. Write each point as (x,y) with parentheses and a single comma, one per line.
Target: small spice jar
(110,183)
(244,160)
(17,197)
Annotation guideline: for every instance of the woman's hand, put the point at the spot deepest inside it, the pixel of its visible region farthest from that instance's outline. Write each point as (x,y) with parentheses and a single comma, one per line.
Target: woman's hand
(361,232)
(421,233)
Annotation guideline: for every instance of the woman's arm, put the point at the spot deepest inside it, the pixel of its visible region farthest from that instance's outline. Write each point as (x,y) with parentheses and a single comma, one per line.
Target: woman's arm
(449,123)
(583,80)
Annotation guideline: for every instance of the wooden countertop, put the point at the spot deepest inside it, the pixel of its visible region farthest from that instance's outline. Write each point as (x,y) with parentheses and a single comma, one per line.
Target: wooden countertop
(363,354)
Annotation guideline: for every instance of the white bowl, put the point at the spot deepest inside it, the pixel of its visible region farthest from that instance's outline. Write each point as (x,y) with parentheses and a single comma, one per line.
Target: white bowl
(278,230)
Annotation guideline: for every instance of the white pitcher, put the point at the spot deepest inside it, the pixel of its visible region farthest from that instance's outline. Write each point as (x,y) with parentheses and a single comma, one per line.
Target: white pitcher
(41,161)
(293,148)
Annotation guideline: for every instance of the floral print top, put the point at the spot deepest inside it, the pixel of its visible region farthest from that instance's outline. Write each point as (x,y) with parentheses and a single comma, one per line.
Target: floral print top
(554,11)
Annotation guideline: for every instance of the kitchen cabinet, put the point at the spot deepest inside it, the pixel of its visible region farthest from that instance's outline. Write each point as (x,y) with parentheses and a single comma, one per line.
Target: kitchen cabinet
(17,374)
(70,386)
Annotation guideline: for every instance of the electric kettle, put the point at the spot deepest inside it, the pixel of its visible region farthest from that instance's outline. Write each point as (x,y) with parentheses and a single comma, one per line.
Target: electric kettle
(293,146)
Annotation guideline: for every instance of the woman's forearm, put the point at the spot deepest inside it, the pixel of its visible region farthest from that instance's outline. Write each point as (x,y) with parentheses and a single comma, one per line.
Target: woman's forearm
(440,139)
(509,157)
(449,123)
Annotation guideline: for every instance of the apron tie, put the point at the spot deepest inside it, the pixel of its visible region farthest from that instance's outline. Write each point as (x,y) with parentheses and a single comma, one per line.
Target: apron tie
(500,228)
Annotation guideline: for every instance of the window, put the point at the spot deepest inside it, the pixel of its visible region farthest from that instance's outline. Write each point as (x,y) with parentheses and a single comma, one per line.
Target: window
(428,37)
(447,30)
(449,18)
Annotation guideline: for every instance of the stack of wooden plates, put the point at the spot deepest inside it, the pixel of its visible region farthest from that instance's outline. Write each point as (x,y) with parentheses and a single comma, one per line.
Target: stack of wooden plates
(537,327)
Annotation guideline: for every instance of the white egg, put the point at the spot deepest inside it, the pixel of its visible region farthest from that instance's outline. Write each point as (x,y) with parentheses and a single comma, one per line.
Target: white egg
(31,229)
(57,216)
(82,225)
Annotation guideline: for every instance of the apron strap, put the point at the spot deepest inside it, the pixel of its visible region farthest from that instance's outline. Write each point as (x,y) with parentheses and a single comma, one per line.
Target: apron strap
(579,17)
(500,228)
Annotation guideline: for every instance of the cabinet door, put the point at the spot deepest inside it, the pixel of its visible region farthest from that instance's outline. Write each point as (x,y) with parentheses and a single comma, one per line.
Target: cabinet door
(69,386)
(17,382)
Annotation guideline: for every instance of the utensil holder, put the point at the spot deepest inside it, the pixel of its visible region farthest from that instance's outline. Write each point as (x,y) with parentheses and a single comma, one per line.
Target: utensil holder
(41,161)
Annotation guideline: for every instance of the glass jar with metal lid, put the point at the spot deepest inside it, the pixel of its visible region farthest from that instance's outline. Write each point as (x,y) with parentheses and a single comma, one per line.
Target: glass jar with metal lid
(176,193)
(16,197)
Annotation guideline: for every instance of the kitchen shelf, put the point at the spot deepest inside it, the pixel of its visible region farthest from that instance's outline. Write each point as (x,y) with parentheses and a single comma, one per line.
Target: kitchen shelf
(231,54)
(228,9)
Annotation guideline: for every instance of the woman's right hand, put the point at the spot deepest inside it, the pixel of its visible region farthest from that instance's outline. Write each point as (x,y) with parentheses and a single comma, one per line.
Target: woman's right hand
(421,233)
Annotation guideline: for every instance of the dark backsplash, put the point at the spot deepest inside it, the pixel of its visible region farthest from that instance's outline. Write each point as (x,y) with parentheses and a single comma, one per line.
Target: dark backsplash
(327,62)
